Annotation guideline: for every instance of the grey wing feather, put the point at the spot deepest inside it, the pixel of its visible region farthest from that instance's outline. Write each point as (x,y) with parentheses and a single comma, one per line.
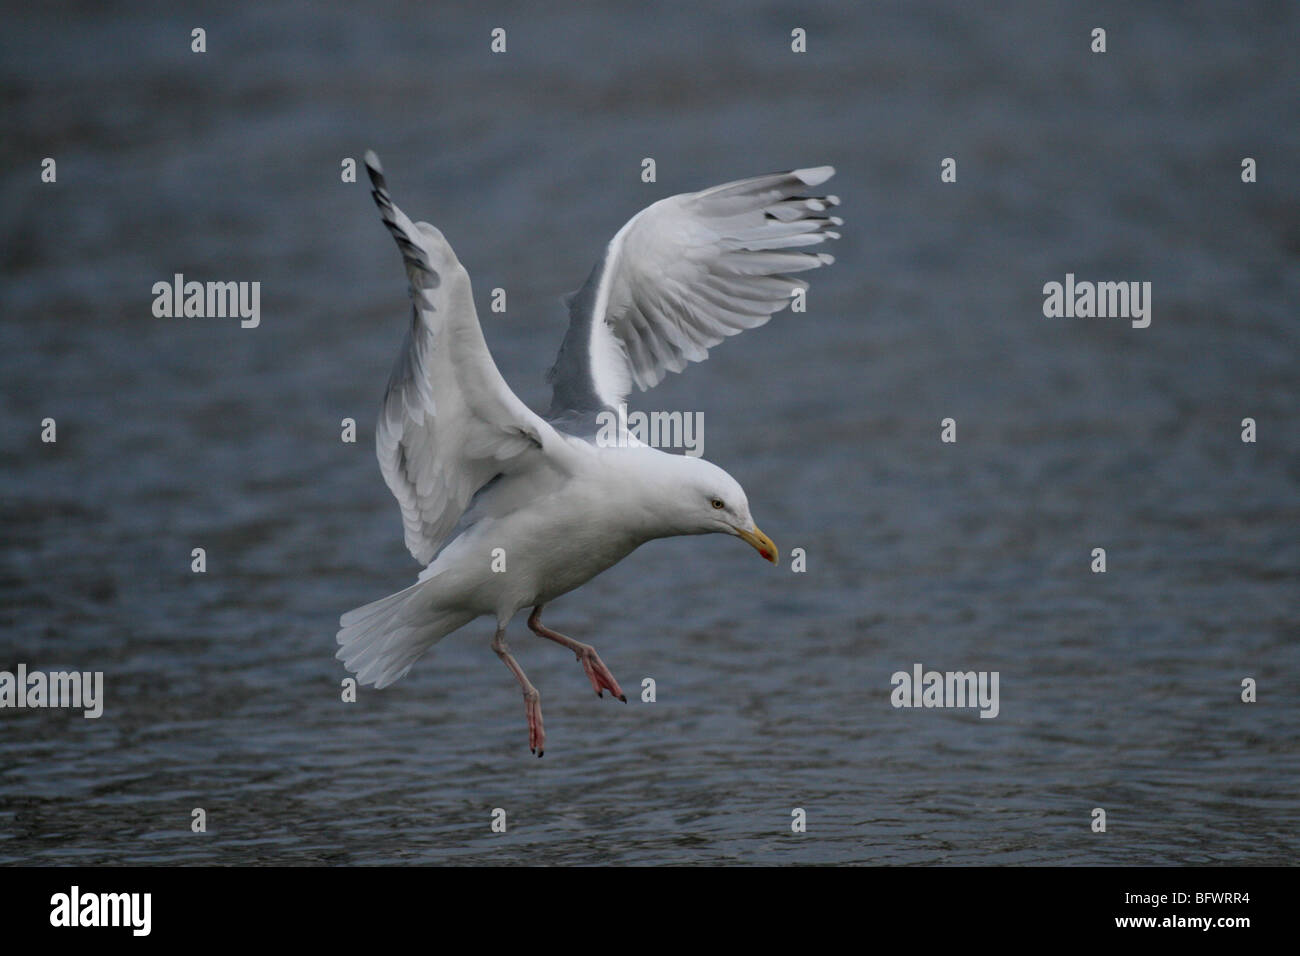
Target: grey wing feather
(449,423)
(682,275)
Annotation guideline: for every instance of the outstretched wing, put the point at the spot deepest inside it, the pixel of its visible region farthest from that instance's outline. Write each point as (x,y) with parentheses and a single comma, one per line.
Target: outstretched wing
(682,275)
(449,423)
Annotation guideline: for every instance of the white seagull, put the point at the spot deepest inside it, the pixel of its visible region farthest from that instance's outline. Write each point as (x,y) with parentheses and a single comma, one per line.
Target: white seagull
(484,483)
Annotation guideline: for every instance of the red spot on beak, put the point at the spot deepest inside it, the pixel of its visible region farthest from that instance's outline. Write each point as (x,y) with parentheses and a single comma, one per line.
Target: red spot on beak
(766,554)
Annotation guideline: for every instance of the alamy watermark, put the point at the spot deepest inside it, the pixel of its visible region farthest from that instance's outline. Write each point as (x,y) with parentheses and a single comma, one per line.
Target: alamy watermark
(74,908)
(922,688)
(657,429)
(208,300)
(22,689)
(1102,300)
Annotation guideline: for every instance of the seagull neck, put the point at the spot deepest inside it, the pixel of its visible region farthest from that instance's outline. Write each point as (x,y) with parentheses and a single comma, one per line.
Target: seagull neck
(653,508)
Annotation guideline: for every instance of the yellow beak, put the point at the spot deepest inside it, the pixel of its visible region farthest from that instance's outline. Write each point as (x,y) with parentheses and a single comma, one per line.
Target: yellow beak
(761,542)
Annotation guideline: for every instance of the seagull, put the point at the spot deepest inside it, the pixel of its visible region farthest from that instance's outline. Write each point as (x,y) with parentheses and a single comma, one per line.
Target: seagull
(508,509)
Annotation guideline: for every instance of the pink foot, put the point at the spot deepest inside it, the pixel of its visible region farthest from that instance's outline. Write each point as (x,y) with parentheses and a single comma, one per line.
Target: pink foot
(533,711)
(599,675)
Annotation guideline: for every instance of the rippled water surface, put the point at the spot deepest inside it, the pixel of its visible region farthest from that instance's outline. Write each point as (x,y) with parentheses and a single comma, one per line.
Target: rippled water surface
(1118,691)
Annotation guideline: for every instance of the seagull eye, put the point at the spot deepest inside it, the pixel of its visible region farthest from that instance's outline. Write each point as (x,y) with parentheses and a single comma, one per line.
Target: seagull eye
(717,503)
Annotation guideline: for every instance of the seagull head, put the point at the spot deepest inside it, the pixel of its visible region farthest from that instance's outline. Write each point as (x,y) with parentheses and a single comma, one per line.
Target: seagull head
(704,499)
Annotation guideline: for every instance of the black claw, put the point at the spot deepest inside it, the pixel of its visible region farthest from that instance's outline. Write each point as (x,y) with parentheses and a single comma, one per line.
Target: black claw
(623,698)
(540,752)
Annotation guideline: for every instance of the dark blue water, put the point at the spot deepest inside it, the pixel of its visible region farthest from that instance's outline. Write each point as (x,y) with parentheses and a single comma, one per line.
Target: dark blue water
(1117,690)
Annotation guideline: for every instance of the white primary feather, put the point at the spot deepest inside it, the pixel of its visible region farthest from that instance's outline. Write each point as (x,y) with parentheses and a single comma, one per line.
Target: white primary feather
(692,269)
(449,423)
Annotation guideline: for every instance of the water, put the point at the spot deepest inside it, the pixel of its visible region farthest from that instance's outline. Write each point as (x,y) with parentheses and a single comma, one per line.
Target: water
(1117,691)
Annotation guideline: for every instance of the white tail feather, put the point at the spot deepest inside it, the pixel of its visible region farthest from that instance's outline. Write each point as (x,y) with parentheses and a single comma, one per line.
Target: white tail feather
(382,640)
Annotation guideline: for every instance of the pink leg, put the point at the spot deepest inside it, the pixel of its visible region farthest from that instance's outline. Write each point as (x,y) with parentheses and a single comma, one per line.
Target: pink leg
(532,699)
(599,675)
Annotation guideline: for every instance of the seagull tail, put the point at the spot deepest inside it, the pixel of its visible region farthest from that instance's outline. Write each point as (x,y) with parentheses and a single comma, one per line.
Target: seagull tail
(380,641)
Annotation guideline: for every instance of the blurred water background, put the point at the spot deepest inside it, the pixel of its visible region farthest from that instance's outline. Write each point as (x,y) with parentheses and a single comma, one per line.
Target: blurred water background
(1118,691)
